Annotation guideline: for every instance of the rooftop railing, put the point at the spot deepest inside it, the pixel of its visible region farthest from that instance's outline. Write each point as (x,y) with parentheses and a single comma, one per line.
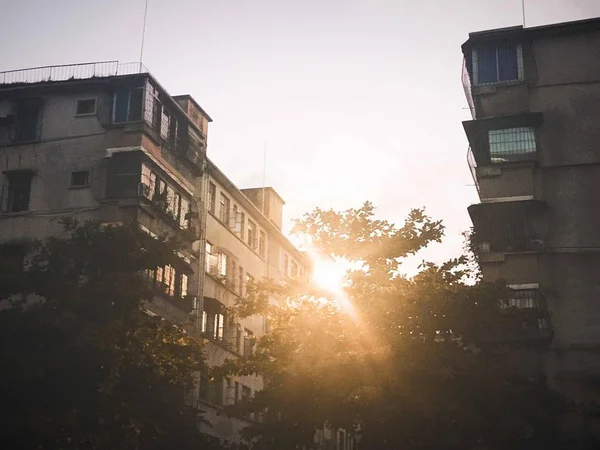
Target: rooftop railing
(68,72)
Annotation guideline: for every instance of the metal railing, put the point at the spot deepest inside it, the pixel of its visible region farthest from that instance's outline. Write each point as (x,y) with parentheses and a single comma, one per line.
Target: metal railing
(466,82)
(473,168)
(67,72)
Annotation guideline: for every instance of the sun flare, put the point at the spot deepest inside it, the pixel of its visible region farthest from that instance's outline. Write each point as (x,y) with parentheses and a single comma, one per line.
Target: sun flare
(328,274)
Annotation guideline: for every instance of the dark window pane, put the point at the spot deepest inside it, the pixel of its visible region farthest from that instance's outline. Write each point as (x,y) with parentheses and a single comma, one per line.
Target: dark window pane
(27,122)
(80,178)
(121,104)
(487,64)
(507,62)
(87,106)
(19,192)
(135,105)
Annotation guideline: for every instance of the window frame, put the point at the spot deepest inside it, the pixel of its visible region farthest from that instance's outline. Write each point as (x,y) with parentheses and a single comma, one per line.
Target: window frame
(529,134)
(475,66)
(212,197)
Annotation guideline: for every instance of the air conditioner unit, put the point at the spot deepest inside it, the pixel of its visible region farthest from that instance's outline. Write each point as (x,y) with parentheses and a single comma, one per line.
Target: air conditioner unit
(143,190)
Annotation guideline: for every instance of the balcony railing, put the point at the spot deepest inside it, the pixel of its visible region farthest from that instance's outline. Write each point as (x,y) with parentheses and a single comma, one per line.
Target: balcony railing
(473,167)
(67,72)
(466,82)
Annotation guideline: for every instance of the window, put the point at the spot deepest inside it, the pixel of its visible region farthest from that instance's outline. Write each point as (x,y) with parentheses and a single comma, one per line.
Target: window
(511,141)
(212,197)
(294,269)
(233,276)
(183,285)
(251,234)
(80,178)
(212,262)
(86,107)
(165,197)
(524,299)
(222,261)
(171,281)
(286,265)
(28,120)
(497,62)
(261,243)
(248,342)
(241,281)
(224,207)
(214,316)
(16,196)
(185,217)
(211,390)
(246,393)
(242,225)
(128,105)
(219,326)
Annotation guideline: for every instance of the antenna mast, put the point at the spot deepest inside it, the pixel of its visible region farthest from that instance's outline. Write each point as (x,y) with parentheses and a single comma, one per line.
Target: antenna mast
(523,11)
(264,177)
(143,34)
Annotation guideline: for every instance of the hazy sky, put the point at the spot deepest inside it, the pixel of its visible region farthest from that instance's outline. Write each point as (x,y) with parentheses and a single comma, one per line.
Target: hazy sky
(357,99)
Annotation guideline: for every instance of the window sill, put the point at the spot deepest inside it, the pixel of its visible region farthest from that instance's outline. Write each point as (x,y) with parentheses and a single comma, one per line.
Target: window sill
(6,215)
(490,88)
(83,186)
(85,115)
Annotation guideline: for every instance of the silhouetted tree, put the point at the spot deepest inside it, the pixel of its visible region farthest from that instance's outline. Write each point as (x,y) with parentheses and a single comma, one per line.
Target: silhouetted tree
(82,366)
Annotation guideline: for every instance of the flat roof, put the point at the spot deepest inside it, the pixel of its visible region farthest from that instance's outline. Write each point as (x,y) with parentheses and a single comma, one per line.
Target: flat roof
(576,26)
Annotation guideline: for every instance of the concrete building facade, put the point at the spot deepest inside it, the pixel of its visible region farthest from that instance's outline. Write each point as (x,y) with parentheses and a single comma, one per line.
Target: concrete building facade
(534,156)
(106,142)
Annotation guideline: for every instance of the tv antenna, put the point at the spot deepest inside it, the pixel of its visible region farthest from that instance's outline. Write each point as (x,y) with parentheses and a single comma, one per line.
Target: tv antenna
(143,34)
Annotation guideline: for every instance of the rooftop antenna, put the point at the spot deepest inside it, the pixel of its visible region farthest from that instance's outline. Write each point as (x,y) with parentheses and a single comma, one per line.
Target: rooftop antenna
(143,34)
(264,177)
(523,11)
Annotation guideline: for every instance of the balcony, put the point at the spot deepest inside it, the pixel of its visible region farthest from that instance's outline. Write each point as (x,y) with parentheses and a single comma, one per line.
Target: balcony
(507,227)
(523,320)
(504,139)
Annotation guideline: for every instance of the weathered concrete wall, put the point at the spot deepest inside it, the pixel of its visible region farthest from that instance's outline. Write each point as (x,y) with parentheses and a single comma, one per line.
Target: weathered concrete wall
(505,181)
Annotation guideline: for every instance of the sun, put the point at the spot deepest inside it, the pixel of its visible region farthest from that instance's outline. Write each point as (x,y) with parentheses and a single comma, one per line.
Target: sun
(328,274)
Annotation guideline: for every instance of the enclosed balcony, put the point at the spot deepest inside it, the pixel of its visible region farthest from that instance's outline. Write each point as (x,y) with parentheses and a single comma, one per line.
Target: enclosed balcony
(515,226)
(523,320)
(505,139)
(134,180)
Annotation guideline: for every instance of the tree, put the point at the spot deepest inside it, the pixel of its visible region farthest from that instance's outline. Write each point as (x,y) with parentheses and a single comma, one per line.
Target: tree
(82,366)
(396,360)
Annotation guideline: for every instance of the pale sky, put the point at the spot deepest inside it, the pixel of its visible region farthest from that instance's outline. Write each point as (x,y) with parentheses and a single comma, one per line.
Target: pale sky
(356,99)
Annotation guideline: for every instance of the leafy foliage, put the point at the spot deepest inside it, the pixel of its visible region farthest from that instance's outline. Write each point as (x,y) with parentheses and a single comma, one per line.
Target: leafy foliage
(82,366)
(398,361)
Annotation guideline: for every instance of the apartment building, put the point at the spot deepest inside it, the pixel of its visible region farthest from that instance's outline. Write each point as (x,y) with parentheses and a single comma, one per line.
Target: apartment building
(243,244)
(106,142)
(534,156)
